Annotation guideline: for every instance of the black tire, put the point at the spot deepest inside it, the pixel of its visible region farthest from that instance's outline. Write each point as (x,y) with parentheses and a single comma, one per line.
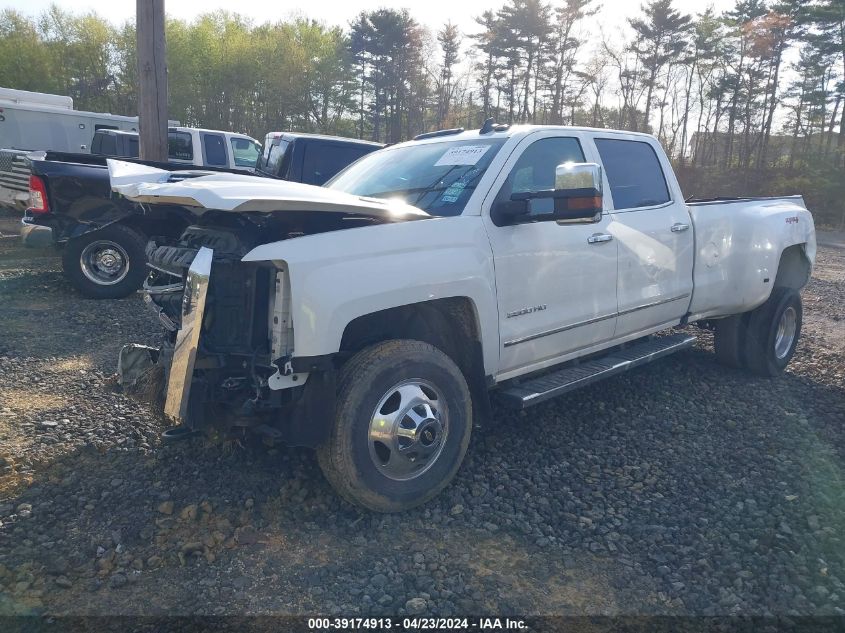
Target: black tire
(761,336)
(347,459)
(93,281)
(729,340)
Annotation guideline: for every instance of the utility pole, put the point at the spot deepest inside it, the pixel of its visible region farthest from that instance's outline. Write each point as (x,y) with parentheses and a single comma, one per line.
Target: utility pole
(152,80)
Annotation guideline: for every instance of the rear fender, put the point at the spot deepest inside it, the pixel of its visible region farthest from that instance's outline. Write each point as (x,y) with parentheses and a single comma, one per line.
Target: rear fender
(741,249)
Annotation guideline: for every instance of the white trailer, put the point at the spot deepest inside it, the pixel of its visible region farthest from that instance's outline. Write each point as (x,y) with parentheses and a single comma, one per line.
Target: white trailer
(44,122)
(38,121)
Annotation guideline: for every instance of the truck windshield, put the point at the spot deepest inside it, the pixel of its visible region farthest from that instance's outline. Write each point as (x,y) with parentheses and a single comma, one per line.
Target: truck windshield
(438,178)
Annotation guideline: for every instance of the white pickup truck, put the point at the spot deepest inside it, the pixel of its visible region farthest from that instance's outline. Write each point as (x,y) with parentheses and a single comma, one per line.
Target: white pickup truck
(374,318)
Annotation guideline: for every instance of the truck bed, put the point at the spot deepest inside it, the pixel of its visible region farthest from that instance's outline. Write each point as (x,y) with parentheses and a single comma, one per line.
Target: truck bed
(736,257)
(699,202)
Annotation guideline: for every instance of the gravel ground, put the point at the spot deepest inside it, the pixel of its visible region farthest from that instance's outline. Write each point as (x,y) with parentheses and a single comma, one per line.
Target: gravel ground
(680,488)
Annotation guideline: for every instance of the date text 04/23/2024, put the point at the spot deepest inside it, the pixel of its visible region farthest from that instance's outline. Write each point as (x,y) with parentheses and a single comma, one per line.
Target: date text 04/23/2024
(416,624)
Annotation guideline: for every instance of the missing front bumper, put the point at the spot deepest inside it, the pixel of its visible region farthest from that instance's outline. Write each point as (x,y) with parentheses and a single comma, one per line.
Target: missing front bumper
(187,339)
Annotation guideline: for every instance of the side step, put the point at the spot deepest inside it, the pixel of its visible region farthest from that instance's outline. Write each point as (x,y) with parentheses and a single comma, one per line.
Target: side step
(548,386)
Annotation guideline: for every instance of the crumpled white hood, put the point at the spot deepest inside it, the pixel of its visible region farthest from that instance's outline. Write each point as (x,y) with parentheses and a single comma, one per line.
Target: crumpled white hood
(234,192)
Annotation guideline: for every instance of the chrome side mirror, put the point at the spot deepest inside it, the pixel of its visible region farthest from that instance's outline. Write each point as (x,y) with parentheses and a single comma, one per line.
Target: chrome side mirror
(578,176)
(578,192)
(576,198)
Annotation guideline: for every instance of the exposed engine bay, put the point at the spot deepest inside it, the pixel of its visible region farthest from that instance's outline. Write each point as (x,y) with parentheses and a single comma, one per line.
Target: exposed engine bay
(242,375)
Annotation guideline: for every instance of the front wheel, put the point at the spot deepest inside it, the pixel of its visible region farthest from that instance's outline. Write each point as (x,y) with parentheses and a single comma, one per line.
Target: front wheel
(108,263)
(401,428)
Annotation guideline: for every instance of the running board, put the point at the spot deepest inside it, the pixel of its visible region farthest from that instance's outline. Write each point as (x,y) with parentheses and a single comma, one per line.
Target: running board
(548,386)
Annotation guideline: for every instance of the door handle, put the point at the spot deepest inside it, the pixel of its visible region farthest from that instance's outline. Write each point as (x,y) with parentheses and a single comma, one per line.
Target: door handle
(598,238)
(679,227)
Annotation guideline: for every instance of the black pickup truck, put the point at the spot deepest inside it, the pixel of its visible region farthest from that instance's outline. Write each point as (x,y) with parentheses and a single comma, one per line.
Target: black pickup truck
(103,236)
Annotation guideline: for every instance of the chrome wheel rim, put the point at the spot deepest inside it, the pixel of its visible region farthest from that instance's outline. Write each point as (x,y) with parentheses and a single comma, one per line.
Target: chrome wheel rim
(408,430)
(104,262)
(785,335)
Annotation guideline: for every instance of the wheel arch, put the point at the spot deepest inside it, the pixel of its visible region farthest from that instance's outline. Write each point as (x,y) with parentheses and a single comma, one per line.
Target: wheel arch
(794,268)
(450,324)
(160,221)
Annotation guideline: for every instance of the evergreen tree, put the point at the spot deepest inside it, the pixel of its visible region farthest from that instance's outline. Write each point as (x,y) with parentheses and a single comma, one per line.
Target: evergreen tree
(449,38)
(527,25)
(661,36)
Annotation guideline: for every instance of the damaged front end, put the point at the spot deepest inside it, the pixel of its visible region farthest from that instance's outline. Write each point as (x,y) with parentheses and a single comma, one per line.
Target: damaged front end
(188,337)
(226,363)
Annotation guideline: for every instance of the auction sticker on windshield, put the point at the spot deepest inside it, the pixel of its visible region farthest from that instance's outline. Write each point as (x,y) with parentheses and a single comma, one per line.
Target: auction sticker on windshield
(462,155)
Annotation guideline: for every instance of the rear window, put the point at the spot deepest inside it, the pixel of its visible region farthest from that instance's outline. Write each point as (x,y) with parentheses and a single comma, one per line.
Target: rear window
(634,173)
(179,146)
(105,144)
(214,148)
(322,161)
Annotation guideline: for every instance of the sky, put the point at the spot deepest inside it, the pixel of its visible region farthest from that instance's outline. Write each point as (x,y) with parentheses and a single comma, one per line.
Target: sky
(431,13)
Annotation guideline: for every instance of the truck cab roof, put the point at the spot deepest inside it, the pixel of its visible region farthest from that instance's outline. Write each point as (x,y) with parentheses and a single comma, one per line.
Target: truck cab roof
(175,129)
(290,136)
(513,131)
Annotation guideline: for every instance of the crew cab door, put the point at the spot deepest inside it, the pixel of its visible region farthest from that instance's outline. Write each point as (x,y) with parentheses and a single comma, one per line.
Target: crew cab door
(653,232)
(555,282)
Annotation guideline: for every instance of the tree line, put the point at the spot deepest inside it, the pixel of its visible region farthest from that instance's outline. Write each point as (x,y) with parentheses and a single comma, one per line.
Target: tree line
(751,100)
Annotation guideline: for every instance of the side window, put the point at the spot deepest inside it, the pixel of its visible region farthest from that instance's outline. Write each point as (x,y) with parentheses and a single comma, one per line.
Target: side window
(245,151)
(214,148)
(322,161)
(634,173)
(179,146)
(535,170)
